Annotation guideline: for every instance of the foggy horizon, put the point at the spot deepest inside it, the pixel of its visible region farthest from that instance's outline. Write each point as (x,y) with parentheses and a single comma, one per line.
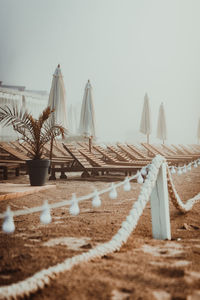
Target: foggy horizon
(126,49)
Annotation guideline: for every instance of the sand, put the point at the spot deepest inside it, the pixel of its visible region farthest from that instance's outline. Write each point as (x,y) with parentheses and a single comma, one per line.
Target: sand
(144,268)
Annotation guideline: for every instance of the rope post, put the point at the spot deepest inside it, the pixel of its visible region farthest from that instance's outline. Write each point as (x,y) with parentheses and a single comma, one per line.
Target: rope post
(160,207)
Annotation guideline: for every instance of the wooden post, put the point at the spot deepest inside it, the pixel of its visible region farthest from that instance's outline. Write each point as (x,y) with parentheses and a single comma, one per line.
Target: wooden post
(160,207)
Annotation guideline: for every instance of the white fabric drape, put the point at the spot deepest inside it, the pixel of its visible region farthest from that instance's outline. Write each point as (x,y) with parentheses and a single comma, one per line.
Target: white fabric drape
(162,128)
(57,99)
(87,118)
(34,105)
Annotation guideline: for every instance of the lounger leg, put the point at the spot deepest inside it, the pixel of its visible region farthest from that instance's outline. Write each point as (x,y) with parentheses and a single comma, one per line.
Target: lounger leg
(17,172)
(85,174)
(53,175)
(62,175)
(5,173)
(95,173)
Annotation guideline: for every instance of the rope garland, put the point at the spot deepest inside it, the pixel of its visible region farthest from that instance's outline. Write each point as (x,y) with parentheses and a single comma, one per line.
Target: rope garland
(44,277)
(176,200)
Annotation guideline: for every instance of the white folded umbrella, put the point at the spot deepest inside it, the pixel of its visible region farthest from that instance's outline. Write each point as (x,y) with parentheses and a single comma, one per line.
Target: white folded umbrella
(57,99)
(162,128)
(87,117)
(145,124)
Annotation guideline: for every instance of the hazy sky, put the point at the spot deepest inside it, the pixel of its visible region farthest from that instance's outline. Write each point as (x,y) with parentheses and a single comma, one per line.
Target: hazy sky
(125,47)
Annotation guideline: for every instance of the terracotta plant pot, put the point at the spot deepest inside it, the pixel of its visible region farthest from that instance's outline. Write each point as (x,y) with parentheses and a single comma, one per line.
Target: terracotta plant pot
(38,171)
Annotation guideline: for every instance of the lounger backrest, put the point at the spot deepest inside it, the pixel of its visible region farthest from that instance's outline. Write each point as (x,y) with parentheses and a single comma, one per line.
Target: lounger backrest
(120,154)
(128,151)
(92,158)
(151,149)
(107,155)
(137,151)
(17,154)
(169,149)
(78,157)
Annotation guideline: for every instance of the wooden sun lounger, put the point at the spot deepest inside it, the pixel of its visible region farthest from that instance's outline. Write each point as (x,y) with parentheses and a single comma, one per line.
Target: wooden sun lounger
(120,154)
(183,152)
(197,146)
(176,159)
(169,150)
(13,152)
(139,152)
(194,149)
(106,156)
(110,159)
(133,155)
(88,168)
(189,151)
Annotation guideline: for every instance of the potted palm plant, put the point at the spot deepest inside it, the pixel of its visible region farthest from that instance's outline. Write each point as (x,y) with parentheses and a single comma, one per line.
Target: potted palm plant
(36,133)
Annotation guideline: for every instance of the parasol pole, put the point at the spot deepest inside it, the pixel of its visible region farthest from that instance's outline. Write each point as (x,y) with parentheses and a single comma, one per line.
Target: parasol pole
(147,138)
(90,143)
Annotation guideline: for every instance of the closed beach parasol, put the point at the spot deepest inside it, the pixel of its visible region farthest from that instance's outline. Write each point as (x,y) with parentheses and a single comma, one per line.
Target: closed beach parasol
(145,124)
(57,98)
(198,131)
(87,118)
(57,101)
(162,128)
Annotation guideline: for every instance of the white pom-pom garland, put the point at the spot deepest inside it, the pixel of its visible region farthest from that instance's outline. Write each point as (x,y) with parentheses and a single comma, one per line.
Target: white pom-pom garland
(140,179)
(74,208)
(144,171)
(179,171)
(96,201)
(8,224)
(45,216)
(184,169)
(113,192)
(127,186)
(173,171)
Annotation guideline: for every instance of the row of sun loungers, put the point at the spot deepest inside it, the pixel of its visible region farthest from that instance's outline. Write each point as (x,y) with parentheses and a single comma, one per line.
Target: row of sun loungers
(119,158)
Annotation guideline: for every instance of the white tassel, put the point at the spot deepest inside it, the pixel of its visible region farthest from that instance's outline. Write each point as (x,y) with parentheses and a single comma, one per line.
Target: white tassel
(127,186)
(140,178)
(184,169)
(144,171)
(199,162)
(189,168)
(173,171)
(195,164)
(96,201)
(113,192)
(8,224)
(179,171)
(74,208)
(45,216)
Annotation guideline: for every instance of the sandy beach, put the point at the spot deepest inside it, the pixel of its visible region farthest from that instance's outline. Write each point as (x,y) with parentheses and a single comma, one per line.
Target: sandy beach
(144,268)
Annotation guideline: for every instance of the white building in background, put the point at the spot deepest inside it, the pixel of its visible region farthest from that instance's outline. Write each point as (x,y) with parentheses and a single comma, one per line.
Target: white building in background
(33,101)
